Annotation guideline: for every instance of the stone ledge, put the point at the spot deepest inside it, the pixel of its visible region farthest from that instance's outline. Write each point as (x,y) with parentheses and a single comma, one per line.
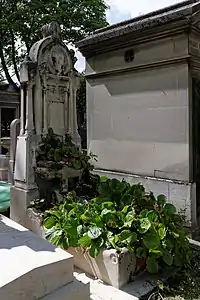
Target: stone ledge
(132,291)
(32,268)
(72,291)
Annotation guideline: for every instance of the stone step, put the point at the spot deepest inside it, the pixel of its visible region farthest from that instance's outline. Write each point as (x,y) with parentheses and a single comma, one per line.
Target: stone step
(72,291)
(31,268)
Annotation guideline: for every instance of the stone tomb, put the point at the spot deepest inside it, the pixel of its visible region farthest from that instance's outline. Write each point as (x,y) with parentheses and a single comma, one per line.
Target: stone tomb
(143,92)
(31,268)
(49,83)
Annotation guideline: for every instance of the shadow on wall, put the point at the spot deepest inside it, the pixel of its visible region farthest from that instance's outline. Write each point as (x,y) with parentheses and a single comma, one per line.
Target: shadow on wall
(166,79)
(14,235)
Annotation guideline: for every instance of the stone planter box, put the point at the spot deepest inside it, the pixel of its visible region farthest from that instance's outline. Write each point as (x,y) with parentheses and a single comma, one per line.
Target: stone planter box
(116,269)
(110,267)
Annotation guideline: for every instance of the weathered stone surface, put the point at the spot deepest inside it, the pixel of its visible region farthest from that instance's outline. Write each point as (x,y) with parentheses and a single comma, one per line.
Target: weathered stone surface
(132,291)
(31,267)
(110,267)
(49,83)
(19,201)
(72,291)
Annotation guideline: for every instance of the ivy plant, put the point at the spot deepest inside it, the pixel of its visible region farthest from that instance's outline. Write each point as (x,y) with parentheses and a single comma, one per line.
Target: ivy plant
(121,216)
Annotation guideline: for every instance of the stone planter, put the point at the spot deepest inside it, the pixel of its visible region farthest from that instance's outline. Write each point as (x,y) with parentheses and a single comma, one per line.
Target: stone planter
(110,267)
(116,269)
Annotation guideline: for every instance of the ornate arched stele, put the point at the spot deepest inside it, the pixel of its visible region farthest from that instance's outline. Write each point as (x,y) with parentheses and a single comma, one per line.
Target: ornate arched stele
(52,82)
(49,83)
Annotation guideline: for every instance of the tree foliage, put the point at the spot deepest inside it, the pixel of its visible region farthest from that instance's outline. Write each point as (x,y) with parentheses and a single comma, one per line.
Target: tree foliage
(21,21)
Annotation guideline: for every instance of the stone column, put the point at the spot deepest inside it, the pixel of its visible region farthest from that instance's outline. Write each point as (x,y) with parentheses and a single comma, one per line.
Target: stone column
(29,109)
(74,86)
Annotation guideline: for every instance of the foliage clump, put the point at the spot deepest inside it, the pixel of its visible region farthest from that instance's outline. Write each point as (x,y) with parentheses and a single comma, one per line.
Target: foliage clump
(121,216)
(61,151)
(57,159)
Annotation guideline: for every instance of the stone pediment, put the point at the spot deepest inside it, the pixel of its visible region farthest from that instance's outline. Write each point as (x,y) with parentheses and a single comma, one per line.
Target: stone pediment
(50,53)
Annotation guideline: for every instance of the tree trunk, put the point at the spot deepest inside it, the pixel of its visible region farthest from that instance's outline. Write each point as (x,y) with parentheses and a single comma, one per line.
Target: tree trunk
(13,55)
(5,69)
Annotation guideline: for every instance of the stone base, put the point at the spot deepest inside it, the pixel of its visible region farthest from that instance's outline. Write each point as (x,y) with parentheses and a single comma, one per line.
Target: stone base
(19,201)
(110,267)
(34,269)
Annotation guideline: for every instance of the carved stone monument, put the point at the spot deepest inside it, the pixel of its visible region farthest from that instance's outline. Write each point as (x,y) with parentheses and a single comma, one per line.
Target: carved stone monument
(49,83)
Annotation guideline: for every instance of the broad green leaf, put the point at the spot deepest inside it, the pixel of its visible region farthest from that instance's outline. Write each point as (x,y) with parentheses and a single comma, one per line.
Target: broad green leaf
(113,240)
(71,227)
(129,219)
(103,179)
(141,252)
(104,188)
(175,235)
(145,224)
(105,211)
(125,209)
(152,265)
(115,184)
(169,244)
(128,236)
(161,232)
(161,200)
(85,217)
(151,241)
(143,213)
(116,238)
(94,232)
(152,215)
(96,247)
(156,252)
(169,209)
(71,212)
(56,237)
(107,205)
(50,222)
(98,221)
(79,229)
(94,251)
(167,257)
(85,241)
(64,243)
(177,261)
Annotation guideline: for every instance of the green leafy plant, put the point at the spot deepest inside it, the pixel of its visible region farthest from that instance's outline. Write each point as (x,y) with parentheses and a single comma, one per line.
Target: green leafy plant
(55,155)
(55,151)
(121,216)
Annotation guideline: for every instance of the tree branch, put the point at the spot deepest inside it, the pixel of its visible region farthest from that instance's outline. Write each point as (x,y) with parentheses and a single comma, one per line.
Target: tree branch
(13,55)
(5,69)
